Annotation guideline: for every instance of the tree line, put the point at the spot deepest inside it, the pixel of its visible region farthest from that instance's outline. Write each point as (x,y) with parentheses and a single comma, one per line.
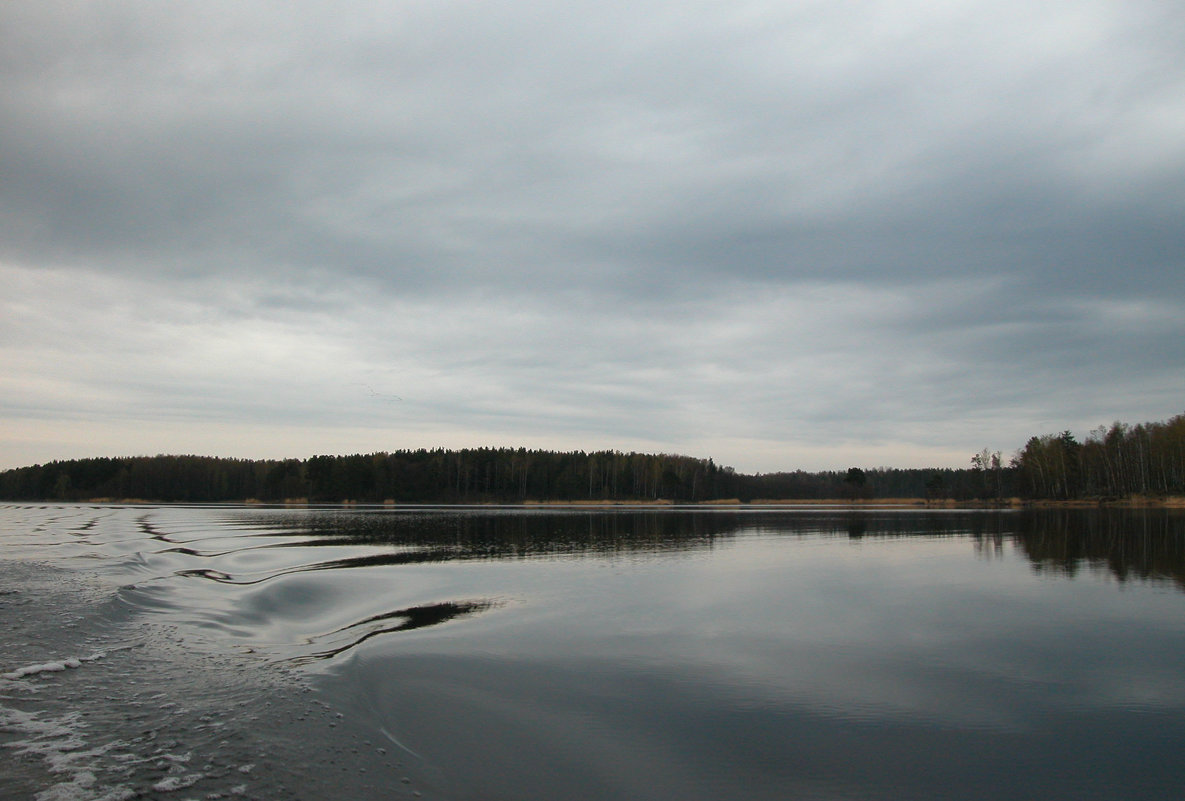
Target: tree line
(423,476)
(1113,462)
(1121,460)
(480,475)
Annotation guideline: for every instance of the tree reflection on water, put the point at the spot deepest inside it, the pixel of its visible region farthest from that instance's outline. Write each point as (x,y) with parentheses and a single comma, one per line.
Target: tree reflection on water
(1131,544)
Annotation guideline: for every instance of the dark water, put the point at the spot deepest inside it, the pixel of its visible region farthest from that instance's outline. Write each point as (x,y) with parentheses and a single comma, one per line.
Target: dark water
(229,652)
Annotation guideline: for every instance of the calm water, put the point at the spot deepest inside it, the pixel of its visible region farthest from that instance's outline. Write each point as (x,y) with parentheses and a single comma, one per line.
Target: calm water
(221,652)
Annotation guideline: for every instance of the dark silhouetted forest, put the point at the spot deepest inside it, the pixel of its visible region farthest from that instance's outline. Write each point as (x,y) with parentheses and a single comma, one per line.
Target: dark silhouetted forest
(1147,459)
(1121,460)
(482,475)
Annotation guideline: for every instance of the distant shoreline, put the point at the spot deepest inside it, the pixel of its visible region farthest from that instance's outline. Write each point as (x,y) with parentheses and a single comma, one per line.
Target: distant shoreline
(1127,466)
(1131,502)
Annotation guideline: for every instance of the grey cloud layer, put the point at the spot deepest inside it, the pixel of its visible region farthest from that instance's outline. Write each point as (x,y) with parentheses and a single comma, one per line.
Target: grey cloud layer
(751,219)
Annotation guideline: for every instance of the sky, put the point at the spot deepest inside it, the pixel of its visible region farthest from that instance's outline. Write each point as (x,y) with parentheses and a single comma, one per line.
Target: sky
(783,235)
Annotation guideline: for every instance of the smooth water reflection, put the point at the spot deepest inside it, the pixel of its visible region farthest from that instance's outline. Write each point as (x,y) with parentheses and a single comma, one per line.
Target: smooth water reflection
(663,654)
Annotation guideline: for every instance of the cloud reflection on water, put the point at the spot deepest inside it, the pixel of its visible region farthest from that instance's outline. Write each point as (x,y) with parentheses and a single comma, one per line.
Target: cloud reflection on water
(687,654)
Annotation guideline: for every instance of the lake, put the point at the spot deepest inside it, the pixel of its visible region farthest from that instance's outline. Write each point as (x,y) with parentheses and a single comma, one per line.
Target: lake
(608,653)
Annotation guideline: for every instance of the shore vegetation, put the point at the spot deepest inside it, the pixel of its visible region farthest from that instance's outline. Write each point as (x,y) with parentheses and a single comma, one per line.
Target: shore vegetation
(1116,463)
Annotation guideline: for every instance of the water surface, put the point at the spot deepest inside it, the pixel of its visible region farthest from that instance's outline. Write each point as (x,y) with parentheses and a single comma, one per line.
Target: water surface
(527,653)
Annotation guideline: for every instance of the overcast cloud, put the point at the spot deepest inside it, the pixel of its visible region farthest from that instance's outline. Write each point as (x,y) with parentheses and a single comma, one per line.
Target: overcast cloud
(781,234)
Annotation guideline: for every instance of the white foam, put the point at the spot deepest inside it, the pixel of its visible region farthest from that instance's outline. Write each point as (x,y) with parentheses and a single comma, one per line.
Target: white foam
(62,729)
(81,789)
(33,670)
(50,667)
(60,744)
(171,783)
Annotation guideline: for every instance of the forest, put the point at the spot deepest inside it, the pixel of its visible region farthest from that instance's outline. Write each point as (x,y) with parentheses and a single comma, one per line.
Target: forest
(1114,462)
(1122,460)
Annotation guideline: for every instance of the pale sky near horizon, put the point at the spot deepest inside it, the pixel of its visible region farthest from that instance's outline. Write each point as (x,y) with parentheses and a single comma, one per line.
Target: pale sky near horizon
(784,235)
